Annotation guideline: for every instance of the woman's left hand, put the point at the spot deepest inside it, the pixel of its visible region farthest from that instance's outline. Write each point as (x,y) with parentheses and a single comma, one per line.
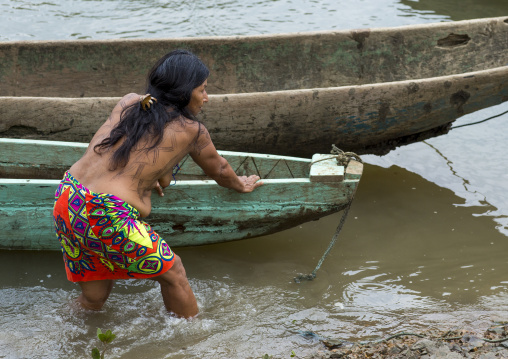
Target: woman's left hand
(159,190)
(250,183)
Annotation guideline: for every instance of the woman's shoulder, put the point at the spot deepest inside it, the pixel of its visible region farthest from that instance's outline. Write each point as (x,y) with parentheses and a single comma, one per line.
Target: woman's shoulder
(121,105)
(129,99)
(197,132)
(182,123)
(185,129)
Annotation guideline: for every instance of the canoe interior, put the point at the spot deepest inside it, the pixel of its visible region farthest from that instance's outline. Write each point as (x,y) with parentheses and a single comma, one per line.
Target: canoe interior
(245,64)
(39,159)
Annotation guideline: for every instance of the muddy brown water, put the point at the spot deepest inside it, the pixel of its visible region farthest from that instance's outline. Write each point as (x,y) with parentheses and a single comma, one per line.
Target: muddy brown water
(424,244)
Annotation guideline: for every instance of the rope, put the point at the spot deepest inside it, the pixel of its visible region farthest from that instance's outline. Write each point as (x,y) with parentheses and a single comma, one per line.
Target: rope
(477,122)
(343,159)
(312,275)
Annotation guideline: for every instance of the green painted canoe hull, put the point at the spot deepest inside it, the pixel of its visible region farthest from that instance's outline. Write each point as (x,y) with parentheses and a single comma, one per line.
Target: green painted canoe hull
(365,90)
(194,211)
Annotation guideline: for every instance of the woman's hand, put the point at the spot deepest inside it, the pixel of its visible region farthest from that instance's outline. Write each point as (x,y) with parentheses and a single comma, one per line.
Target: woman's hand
(249,183)
(158,188)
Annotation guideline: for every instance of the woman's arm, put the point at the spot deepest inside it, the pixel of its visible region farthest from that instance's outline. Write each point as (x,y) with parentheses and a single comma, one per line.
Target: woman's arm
(205,155)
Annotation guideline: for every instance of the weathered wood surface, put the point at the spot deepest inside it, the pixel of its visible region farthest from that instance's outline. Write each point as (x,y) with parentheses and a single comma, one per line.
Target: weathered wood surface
(362,119)
(192,212)
(245,64)
(366,91)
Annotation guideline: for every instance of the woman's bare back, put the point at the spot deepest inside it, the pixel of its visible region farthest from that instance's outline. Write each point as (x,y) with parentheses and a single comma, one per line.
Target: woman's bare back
(144,170)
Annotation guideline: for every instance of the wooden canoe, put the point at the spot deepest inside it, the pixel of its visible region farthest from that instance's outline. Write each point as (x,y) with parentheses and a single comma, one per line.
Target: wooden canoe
(365,90)
(193,211)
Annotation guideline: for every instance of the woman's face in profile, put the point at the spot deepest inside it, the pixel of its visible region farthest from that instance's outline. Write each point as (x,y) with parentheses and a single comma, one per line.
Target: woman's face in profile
(198,98)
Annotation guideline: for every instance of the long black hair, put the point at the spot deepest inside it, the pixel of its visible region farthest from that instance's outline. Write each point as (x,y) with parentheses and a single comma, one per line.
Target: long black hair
(171,81)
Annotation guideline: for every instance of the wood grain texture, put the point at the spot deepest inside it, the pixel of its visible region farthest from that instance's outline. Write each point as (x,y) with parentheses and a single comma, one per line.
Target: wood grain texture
(364,90)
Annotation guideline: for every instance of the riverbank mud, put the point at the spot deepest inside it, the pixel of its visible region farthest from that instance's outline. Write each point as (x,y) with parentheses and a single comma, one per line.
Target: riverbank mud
(432,344)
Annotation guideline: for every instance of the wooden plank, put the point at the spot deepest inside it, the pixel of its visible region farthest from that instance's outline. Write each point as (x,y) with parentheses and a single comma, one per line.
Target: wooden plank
(259,63)
(326,169)
(354,170)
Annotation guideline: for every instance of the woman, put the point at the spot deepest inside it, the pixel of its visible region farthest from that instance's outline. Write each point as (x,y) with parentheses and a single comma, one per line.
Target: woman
(102,197)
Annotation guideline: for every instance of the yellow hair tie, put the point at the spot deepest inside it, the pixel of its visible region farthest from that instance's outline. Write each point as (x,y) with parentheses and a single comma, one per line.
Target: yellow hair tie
(146,101)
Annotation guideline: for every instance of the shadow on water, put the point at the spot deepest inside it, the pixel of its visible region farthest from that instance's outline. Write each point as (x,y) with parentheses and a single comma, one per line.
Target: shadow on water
(407,258)
(470,160)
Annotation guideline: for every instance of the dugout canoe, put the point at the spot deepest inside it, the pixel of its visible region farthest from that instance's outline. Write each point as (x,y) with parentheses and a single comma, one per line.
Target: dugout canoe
(366,90)
(194,211)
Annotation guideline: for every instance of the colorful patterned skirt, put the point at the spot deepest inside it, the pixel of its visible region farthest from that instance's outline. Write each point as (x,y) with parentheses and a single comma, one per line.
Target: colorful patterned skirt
(102,236)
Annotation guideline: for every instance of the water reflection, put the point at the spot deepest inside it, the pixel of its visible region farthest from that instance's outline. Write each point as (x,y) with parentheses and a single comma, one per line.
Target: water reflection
(406,258)
(82,19)
(469,160)
(466,9)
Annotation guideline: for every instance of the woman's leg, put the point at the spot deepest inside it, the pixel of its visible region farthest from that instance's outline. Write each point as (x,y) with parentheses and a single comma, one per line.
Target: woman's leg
(176,291)
(95,293)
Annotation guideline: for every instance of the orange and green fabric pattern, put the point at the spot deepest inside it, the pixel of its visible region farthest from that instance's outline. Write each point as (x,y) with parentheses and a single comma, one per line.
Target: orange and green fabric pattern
(102,237)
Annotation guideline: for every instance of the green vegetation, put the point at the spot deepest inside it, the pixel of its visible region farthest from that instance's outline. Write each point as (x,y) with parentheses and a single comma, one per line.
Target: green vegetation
(106,339)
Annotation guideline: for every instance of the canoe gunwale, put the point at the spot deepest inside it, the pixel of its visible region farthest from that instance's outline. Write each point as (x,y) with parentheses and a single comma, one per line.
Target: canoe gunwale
(179,183)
